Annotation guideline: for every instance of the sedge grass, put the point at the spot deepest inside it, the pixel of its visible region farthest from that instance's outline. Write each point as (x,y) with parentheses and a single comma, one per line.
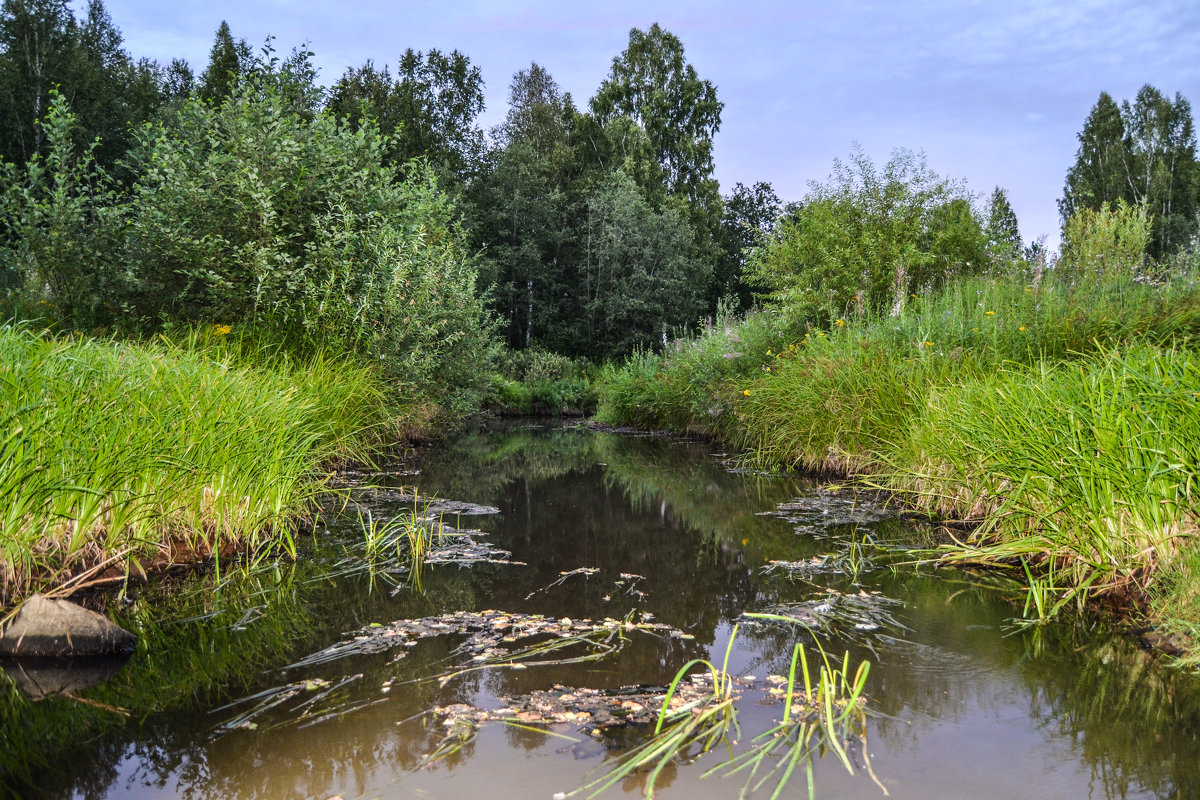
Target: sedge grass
(157,450)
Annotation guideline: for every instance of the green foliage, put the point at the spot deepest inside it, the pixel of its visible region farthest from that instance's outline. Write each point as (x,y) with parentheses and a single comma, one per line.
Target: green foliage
(749,217)
(61,225)
(229,62)
(868,239)
(44,47)
(639,280)
(1142,153)
(1003,236)
(526,211)
(655,108)
(652,84)
(427,112)
(535,381)
(248,211)
(1098,174)
(1105,243)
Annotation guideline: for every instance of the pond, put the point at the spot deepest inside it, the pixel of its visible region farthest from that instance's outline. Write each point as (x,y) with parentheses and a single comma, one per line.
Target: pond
(601,562)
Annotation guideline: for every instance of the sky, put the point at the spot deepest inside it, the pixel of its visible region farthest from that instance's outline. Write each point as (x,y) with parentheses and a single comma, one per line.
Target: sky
(993,93)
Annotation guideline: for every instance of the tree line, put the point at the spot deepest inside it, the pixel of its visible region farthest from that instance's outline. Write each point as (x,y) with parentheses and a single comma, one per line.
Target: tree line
(588,230)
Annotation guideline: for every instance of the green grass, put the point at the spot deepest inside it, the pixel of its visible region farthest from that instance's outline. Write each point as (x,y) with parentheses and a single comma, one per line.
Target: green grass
(115,454)
(1062,420)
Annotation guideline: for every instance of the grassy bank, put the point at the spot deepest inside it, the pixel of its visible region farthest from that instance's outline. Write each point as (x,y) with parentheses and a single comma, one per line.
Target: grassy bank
(1060,419)
(119,455)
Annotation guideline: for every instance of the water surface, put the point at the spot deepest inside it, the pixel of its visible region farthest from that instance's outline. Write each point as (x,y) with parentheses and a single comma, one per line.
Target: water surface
(962,703)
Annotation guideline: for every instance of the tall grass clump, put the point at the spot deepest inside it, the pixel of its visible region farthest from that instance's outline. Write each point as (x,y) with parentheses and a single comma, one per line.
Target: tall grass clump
(1085,470)
(122,455)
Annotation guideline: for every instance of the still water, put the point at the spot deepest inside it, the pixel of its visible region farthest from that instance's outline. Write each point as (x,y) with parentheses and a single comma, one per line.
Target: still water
(275,681)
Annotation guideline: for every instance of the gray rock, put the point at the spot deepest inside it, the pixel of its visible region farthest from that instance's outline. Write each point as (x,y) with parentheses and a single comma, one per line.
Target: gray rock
(60,628)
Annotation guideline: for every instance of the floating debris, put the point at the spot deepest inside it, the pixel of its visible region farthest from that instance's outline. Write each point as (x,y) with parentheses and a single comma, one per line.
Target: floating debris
(350,478)
(816,565)
(628,584)
(315,705)
(460,547)
(822,509)
(590,710)
(490,635)
(428,507)
(562,576)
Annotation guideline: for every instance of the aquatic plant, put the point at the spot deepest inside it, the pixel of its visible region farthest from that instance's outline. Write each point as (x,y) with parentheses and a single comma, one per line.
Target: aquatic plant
(824,709)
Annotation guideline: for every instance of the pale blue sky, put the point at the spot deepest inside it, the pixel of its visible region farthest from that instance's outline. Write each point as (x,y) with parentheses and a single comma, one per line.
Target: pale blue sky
(993,92)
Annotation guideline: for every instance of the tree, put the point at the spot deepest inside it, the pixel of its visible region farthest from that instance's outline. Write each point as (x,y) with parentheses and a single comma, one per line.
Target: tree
(749,217)
(638,279)
(867,239)
(1003,236)
(525,208)
(1098,174)
(653,102)
(428,110)
(652,84)
(1161,166)
(44,47)
(38,40)
(229,61)
(1142,153)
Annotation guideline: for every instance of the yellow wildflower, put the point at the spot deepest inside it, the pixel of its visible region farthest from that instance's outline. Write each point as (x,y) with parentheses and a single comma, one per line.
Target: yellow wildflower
(221,330)
(840,322)
(746,392)
(820,333)
(1021,329)
(989,313)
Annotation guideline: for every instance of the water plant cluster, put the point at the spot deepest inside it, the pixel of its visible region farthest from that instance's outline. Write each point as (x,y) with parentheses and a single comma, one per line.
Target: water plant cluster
(1054,411)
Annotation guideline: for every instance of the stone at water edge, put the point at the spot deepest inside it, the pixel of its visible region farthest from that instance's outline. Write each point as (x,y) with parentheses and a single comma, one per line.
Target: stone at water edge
(60,628)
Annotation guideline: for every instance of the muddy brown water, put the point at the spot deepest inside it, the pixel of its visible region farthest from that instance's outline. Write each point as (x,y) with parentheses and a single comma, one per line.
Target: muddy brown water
(962,704)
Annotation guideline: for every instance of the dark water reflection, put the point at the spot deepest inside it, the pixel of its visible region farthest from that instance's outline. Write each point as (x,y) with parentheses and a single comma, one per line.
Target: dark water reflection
(964,706)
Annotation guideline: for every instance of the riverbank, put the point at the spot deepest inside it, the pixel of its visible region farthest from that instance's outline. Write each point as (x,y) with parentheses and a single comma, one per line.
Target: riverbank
(119,458)
(1059,420)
